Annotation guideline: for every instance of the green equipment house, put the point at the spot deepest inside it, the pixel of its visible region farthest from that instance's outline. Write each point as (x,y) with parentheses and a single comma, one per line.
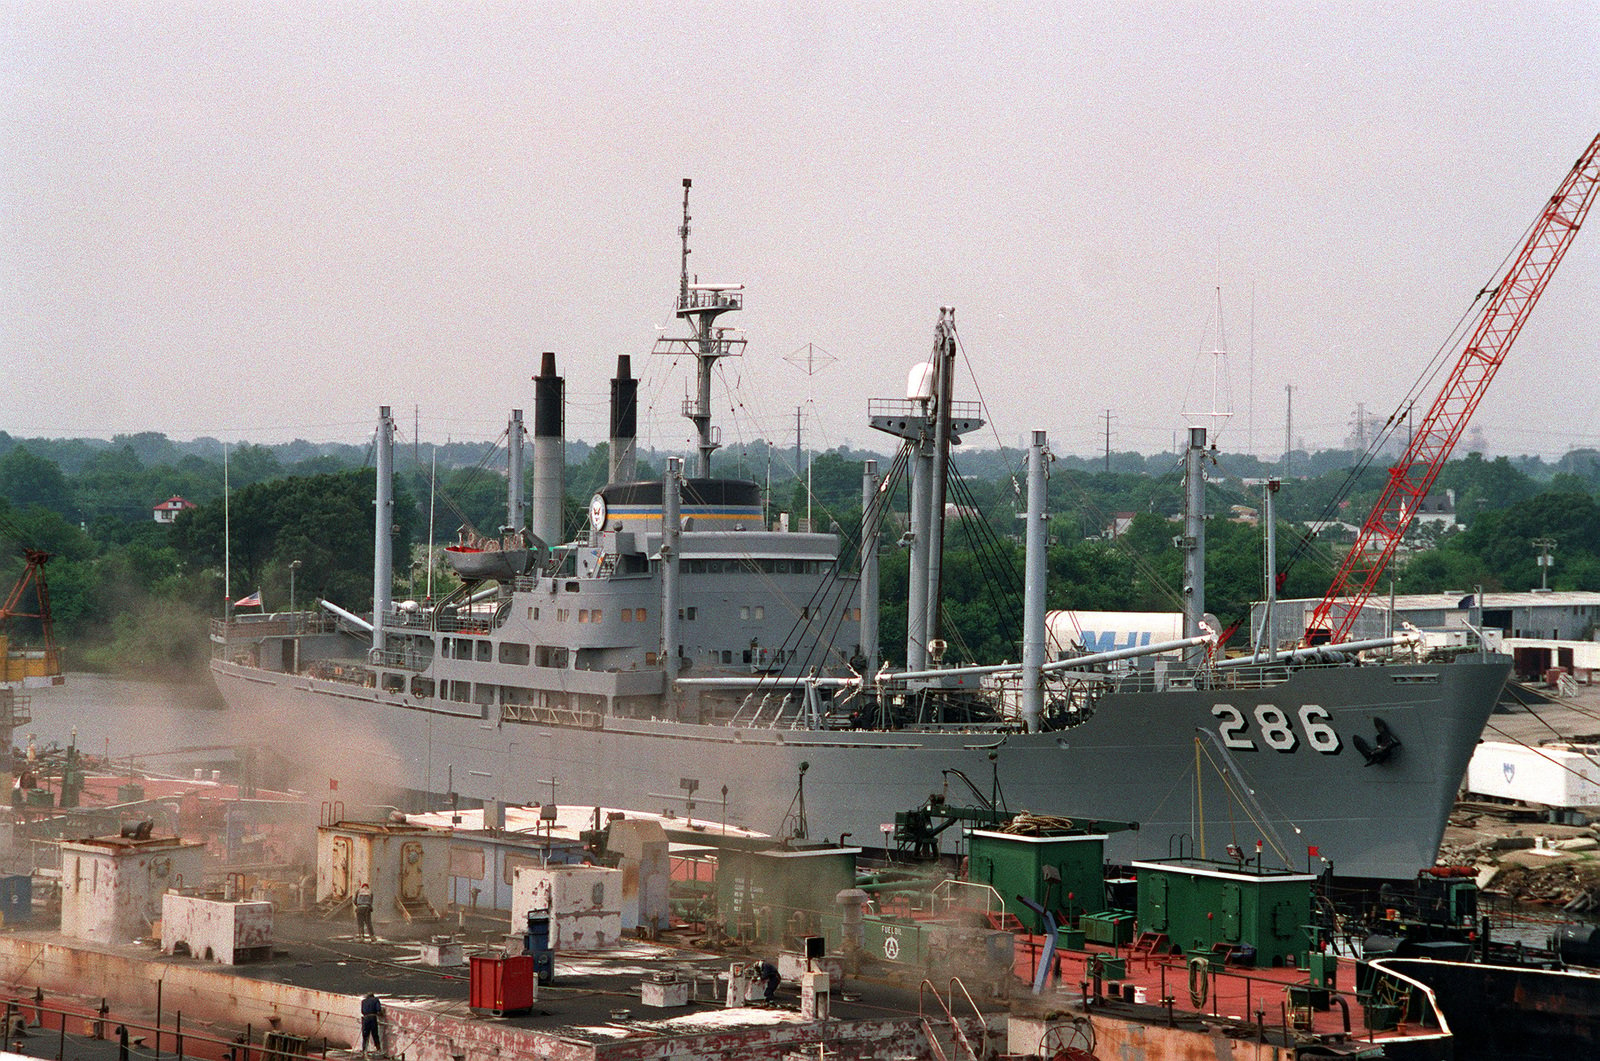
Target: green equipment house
(1225,910)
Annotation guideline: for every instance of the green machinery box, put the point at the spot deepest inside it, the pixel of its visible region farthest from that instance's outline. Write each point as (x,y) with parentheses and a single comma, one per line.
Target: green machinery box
(1114,928)
(765,895)
(981,954)
(895,940)
(1060,873)
(1201,904)
(1108,968)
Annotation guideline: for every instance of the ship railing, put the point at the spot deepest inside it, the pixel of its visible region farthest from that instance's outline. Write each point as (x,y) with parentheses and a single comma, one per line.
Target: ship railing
(64,1014)
(1254,676)
(553,716)
(455,624)
(1010,726)
(968,895)
(905,409)
(711,299)
(412,661)
(272,625)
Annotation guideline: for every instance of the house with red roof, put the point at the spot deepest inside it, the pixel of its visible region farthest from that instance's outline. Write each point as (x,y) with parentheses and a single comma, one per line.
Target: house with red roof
(168,510)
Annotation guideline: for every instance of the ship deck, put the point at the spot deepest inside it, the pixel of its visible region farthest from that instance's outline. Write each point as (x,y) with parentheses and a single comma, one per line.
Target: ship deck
(1261,1003)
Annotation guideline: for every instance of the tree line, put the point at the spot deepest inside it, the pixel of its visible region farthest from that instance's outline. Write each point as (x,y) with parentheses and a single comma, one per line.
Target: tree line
(130,592)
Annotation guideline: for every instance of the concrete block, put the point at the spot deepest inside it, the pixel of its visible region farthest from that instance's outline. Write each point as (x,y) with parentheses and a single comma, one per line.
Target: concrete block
(585,904)
(663,993)
(213,930)
(443,953)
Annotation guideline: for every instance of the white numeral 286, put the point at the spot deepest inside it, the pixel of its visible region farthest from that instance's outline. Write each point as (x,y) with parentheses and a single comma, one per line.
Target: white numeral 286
(1277,732)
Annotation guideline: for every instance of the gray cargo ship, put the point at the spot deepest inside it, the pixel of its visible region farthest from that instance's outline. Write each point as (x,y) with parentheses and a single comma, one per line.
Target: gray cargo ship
(684,654)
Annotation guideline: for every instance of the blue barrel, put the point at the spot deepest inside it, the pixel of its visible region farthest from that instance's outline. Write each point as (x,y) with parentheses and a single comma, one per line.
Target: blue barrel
(537,943)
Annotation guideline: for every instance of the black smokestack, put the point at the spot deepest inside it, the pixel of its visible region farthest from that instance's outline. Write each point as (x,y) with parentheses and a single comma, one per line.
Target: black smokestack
(624,422)
(549,451)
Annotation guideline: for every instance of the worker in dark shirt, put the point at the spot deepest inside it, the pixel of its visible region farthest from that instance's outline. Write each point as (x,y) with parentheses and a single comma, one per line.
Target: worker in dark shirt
(768,975)
(371,1010)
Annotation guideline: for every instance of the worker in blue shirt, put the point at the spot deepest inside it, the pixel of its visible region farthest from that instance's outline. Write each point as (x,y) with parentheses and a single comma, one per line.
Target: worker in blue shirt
(371,1010)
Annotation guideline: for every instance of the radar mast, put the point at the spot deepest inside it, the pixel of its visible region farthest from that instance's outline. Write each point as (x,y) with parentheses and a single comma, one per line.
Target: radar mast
(700,304)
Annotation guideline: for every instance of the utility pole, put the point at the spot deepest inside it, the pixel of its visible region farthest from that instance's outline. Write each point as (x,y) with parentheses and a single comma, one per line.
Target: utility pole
(799,470)
(1107,419)
(1544,545)
(1288,429)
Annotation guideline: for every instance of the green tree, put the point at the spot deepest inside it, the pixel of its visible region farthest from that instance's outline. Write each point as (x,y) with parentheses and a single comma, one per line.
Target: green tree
(26,479)
(324,521)
(1483,485)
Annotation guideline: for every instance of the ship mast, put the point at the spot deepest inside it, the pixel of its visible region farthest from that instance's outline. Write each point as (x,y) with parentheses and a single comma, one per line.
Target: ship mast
(383,530)
(700,304)
(929,422)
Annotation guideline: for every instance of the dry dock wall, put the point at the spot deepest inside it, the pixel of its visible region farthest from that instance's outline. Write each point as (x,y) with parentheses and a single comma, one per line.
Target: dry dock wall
(204,993)
(427,1037)
(196,991)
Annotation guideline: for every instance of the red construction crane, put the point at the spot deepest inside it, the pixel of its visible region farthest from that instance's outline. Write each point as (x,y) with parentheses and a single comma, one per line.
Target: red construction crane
(1435,438)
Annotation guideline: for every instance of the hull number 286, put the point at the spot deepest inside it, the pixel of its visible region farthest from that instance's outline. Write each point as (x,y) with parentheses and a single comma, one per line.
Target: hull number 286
(1275,728)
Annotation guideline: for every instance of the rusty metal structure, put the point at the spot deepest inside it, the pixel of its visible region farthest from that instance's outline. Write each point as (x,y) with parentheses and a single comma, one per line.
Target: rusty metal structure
(29,665)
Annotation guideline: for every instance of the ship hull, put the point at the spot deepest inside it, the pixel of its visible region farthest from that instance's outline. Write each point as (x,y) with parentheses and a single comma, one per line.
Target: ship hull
(1198,769)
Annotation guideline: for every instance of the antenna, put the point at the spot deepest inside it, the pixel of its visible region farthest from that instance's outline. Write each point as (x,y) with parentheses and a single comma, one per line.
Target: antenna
(810,359)
(1221,399)
(683,234)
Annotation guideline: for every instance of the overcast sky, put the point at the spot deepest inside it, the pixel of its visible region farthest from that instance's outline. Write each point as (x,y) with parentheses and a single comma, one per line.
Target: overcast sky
(262,221)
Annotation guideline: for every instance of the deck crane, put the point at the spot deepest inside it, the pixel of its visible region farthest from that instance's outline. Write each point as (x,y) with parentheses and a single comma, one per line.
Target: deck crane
(1509,305)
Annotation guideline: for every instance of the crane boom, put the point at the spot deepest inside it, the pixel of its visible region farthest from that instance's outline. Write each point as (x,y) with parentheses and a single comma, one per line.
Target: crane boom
(1509,305)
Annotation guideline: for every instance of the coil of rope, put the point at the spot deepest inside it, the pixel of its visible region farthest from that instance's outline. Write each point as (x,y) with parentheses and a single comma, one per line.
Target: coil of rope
(1026,823)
